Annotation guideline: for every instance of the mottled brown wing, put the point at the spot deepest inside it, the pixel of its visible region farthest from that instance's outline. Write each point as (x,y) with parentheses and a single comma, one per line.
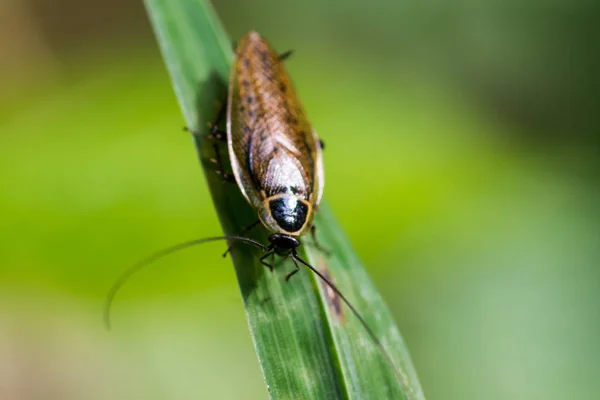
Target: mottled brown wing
(272,146)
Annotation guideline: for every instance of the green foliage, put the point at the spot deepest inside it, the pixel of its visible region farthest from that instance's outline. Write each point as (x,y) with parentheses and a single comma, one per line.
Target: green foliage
(308,346)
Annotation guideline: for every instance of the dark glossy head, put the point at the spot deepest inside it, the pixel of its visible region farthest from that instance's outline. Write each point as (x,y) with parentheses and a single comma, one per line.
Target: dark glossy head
(283,244)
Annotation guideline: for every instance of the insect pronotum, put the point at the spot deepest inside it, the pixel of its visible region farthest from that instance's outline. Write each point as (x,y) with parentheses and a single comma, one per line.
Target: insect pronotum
(276,162)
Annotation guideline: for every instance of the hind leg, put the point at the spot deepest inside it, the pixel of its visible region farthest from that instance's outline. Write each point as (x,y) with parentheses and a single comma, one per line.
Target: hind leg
(216,136)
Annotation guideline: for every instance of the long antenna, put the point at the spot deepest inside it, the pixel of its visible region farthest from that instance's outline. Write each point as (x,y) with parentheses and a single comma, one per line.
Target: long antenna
(402,377)
(140,265)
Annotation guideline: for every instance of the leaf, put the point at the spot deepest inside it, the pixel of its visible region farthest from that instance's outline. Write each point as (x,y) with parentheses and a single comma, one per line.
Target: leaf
(308,343)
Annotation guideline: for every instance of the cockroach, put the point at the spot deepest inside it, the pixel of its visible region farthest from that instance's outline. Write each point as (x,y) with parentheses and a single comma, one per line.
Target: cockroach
(276,159)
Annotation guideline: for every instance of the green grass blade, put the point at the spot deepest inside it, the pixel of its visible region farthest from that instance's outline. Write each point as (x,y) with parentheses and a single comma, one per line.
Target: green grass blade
(306,346)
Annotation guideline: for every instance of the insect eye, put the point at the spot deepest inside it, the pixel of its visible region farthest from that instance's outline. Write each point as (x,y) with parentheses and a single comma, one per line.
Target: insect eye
(289,213)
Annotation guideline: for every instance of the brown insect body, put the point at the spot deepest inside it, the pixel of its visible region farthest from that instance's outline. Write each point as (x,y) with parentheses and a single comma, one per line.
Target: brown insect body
(275,154)
(276,161)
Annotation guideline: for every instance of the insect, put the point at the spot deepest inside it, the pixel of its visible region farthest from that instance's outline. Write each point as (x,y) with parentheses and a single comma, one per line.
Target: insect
(275,154)
(276,159)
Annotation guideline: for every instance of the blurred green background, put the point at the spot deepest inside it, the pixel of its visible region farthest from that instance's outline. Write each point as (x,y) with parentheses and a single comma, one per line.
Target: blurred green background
(462,144)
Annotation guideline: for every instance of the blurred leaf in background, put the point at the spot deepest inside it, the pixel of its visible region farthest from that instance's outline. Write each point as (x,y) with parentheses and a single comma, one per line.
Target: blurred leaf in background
(473,135)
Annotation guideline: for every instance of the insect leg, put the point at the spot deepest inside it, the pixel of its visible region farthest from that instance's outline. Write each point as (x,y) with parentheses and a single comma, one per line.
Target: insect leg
(288,276)
(218,162)
(286,55)
(313,234)
(215,132)
(245,230)
(266,264)
(217,135)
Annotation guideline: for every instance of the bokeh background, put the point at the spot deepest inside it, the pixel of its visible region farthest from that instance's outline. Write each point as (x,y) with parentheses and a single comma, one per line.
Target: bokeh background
(462,159)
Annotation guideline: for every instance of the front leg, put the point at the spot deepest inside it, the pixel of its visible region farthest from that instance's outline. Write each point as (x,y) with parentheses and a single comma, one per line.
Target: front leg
(266,264)
(288,276)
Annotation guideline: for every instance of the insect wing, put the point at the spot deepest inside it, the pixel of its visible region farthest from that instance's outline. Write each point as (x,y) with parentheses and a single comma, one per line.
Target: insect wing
(238,139)
(272,147)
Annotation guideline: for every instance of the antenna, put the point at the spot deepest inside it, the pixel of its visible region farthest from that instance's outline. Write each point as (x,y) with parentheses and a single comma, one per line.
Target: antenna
(162,253)
(401,377)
